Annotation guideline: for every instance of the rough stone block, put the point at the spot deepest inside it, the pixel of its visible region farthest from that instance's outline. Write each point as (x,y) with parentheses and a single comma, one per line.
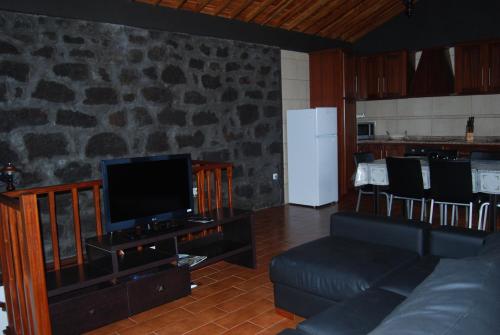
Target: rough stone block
(100,96)
(106,144)
(45,145)
(18,71)
(75,119)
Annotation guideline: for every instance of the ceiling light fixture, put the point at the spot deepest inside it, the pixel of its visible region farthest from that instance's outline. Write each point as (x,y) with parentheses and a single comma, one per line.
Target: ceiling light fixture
(410,7)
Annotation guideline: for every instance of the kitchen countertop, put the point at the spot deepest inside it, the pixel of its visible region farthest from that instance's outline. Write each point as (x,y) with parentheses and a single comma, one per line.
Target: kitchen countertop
(478,140)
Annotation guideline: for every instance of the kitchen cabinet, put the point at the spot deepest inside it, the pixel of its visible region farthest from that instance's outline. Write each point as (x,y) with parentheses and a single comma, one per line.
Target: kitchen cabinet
(384,75)
(477,68)
(332,84)
(383,150)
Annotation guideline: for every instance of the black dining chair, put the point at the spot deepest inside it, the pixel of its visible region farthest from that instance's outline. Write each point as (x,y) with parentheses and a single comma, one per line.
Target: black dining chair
(484,198)
(406,183)
(366,157)
(451,184)
(485,156)
(443,154)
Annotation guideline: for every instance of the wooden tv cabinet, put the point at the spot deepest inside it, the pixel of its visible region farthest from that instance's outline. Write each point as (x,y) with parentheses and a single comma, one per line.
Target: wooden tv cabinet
(124,276)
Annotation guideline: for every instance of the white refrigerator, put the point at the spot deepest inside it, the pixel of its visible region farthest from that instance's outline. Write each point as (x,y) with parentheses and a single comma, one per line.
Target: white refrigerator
(312,156)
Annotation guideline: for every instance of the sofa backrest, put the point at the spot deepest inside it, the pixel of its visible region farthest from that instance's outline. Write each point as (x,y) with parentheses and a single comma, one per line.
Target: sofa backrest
(460,297)
(455,242)
(399,233)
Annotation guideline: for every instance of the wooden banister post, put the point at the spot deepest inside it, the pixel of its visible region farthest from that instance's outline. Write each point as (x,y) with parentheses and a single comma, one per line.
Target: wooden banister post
(33,266)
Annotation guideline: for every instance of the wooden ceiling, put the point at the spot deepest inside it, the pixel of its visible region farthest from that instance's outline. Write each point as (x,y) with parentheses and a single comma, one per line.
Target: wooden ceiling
(346,20)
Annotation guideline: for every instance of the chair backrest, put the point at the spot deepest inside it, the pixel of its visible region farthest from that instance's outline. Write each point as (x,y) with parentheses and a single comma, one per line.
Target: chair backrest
(405,177)
(451,180)
(419,151)
(485,155)
(443,154)
(363,157)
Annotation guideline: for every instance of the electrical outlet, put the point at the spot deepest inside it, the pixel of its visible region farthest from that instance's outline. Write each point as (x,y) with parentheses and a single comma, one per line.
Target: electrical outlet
(195,191)
(275,176)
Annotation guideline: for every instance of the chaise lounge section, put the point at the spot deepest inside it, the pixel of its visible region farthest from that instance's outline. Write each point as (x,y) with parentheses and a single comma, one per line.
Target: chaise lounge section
(370,269)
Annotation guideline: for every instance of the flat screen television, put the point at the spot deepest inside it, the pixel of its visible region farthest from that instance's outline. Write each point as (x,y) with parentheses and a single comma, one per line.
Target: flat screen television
(143,190)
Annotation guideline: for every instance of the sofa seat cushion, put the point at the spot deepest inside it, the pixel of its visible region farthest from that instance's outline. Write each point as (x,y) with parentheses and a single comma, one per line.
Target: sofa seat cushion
(355,316)
(491,245)
(337,268)
(461,297)
(405,280)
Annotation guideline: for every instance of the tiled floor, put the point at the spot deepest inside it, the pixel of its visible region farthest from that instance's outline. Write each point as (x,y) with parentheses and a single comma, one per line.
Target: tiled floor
(231,299)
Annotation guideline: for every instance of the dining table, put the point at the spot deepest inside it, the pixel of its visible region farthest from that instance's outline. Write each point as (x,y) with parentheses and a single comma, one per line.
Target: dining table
(485,179)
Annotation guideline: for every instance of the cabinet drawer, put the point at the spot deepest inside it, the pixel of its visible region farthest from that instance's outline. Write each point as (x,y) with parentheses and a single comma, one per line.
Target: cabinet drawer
(87,311)
(159,288)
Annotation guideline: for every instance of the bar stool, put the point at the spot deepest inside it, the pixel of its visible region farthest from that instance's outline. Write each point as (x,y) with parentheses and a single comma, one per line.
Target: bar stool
(406,183)
(451,184)
(366,157)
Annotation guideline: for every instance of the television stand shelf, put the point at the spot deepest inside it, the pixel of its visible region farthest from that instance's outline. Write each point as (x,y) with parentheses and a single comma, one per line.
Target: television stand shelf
(141,272)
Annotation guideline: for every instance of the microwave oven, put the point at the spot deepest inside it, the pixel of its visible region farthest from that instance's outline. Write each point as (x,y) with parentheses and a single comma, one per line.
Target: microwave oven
(366,130)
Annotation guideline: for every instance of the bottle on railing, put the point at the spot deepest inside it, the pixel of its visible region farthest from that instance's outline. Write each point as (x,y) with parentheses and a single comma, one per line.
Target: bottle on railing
(469,130)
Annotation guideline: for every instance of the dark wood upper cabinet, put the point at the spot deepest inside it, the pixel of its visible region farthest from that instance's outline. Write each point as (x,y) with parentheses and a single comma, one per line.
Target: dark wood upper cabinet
(494,67)
(394,75)
(477,68)
(383,76)
(469,69)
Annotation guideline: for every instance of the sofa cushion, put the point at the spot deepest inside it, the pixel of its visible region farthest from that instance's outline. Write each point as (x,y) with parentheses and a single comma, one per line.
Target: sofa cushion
(395,232)
(459,297)
(491,245)
(455,242)
(406,279)
(337,268)
(358,315)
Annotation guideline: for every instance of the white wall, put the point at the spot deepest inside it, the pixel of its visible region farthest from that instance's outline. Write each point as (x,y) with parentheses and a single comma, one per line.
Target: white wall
(294,92)
(437,116)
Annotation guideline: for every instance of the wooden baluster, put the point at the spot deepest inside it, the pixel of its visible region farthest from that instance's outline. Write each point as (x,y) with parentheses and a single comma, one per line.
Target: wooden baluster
(35,268)
(97,207)
(209,189)
(200,184)
(229,172)
(16,311)
(25,268)
(218,187)
(77,228)
(53,231)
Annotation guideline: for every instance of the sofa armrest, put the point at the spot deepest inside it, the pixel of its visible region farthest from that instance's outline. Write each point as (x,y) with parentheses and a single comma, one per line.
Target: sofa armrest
(399,233)
(455,242)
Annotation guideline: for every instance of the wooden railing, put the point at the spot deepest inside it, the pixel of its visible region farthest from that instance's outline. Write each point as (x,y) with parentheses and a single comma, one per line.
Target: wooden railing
(23,267)
(209,177)
(21,247)
(50,192)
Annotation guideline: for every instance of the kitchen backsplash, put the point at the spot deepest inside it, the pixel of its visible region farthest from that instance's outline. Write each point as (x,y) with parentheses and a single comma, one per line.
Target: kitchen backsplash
(435,116)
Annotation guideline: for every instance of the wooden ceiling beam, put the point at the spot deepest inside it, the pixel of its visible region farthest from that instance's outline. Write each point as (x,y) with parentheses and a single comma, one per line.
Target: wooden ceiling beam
(181,3)
(386,17)
(277,11)
(244,5)
(294,10)
(301,17)
(221,7)
(326,11)
(257,10)
(202,5)
(336,15)
(366,19)
(350,16)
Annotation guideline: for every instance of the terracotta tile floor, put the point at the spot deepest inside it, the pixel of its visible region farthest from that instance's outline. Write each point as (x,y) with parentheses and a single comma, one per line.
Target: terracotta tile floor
(232,299)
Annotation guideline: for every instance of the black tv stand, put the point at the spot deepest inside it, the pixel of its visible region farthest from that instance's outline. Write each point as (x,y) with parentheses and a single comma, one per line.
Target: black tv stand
(125,276)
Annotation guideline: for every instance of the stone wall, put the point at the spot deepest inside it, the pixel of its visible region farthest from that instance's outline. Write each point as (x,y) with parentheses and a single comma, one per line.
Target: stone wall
(73,93)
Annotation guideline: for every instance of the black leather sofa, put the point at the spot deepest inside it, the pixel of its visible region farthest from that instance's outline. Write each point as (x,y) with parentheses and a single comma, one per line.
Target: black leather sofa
(383,276)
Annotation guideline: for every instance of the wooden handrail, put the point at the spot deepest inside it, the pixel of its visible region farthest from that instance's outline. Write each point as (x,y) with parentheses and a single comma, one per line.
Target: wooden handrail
(55,188)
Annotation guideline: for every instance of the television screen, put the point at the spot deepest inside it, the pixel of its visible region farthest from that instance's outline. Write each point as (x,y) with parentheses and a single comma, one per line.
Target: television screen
(146,189)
